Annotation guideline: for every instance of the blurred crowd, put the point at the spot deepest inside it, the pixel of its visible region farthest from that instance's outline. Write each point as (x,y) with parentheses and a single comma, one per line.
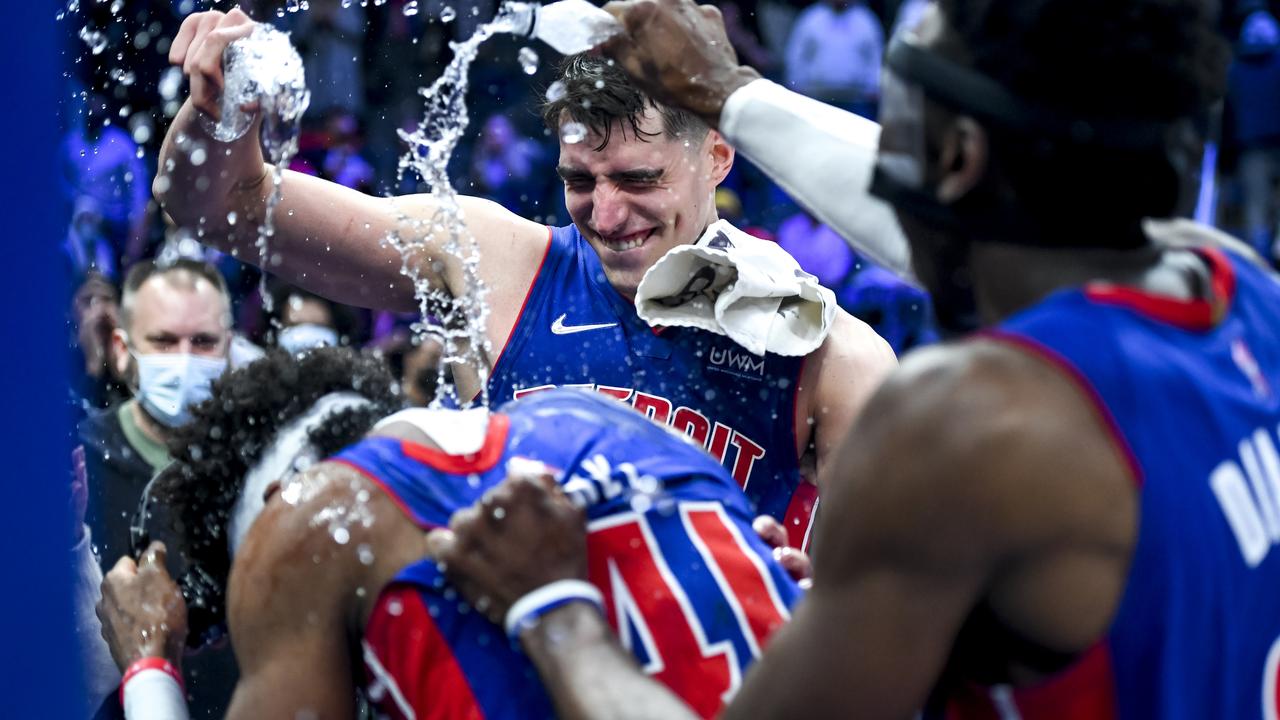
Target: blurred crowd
(365,63)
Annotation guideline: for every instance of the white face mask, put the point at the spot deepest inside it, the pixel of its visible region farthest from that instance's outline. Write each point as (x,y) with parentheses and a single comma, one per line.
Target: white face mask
(298,338)
(169,384)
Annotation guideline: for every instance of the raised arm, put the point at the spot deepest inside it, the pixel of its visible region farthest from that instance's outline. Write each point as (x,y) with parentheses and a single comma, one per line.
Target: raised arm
(328,238)
(822,156)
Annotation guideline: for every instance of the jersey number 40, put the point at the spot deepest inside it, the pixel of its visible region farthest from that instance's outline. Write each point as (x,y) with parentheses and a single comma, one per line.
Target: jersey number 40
(688,595)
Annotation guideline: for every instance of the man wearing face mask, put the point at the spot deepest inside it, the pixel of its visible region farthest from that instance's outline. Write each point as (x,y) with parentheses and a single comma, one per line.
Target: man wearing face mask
(173,341)
(308,321)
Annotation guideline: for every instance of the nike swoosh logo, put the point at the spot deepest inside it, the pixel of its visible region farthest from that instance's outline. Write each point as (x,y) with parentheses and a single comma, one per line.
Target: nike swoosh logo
(559,328)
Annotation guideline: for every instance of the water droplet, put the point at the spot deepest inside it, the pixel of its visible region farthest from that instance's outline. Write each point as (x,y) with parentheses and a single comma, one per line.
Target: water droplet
(573,133)
(395,608)
(198,156)
(96,41)
(447,14)
(341,535)
(365,553)
(528,60)
(231,218)
(411,8)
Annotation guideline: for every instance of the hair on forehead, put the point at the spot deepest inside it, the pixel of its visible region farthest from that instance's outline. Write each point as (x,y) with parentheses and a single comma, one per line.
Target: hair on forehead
(598,94)
(183,273)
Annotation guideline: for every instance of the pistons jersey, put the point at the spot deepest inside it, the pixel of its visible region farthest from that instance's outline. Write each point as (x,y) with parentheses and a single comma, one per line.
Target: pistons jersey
(1191,392)
(687,585)
(576,330)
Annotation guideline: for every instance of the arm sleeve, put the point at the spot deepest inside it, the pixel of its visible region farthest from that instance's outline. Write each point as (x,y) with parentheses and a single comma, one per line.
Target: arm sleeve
(823,157)
(101,676)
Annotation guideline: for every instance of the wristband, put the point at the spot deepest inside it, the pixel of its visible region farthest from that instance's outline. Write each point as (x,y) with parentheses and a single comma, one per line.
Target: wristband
(526,611)
(152,690)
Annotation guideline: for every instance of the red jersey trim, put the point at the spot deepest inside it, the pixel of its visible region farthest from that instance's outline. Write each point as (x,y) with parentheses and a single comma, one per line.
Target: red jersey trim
(495,443)
(1077,378)
(413,660)
(395,498)
(1199,315)
(520,315)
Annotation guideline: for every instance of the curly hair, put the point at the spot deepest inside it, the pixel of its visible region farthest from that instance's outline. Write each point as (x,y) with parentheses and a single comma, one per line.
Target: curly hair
(228,434)
(1151,60)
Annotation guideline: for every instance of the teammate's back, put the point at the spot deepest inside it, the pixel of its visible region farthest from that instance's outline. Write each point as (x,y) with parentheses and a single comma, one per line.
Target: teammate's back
(1191,391)
(693,593)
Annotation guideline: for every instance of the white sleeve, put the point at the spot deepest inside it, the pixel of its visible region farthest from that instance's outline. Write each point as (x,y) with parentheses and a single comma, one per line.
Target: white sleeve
(823,157)
(102,677)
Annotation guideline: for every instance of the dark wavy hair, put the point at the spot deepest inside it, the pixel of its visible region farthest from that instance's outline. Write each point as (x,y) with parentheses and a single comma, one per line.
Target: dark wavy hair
(598,94)
(228,434)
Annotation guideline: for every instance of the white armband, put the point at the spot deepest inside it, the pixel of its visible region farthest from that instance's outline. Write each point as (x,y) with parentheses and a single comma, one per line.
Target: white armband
(823,157)
(525,612)
(152,690)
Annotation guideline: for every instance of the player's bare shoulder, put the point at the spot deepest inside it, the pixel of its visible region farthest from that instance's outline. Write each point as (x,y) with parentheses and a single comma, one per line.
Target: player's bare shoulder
(313,546)
(1007,433)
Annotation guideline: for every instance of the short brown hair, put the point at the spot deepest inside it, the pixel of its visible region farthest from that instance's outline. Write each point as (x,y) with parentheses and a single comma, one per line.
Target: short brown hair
(597,93)
(147,269)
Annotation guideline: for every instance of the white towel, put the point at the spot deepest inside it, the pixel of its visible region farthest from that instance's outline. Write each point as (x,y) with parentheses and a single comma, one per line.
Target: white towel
(733,284)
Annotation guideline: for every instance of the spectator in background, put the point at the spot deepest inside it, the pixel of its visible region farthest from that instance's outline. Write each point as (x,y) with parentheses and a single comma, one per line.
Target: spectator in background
(95,314)
(503,163)
(331,40)
(1253,111)
(834,55)
(173,341)
(344,161)
(307,321)
(742,26)
(107,184)
(171,344)
(414,360)
(898,312)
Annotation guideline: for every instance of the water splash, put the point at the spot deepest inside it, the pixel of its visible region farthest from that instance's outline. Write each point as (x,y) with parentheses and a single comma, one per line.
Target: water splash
(458,320)
(265,70)
(528,60)
(573,132)
(96,41)
(556,91)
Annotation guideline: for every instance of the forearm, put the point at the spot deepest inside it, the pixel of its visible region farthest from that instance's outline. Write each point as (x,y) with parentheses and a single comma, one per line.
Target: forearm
(200,181)
(589,675)
(101,675)
(326,238)
(823,157)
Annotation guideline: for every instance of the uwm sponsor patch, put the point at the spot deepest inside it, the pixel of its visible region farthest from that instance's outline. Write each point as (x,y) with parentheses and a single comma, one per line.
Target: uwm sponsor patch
(714,437)
(736,362)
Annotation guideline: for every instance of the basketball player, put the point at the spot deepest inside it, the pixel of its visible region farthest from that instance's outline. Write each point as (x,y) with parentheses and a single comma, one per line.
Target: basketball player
(1074,513)
(561,300)
(329,592)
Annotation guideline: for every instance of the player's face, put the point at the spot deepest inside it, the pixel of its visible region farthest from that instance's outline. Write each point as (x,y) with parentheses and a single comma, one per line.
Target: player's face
(635,199)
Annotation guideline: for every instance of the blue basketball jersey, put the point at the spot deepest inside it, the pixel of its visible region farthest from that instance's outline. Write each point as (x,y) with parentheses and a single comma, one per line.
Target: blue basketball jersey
(1191,392)
(576,330)
(690,589)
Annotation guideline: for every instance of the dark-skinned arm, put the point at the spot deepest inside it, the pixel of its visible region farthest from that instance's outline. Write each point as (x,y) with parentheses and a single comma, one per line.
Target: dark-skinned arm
(976,474)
